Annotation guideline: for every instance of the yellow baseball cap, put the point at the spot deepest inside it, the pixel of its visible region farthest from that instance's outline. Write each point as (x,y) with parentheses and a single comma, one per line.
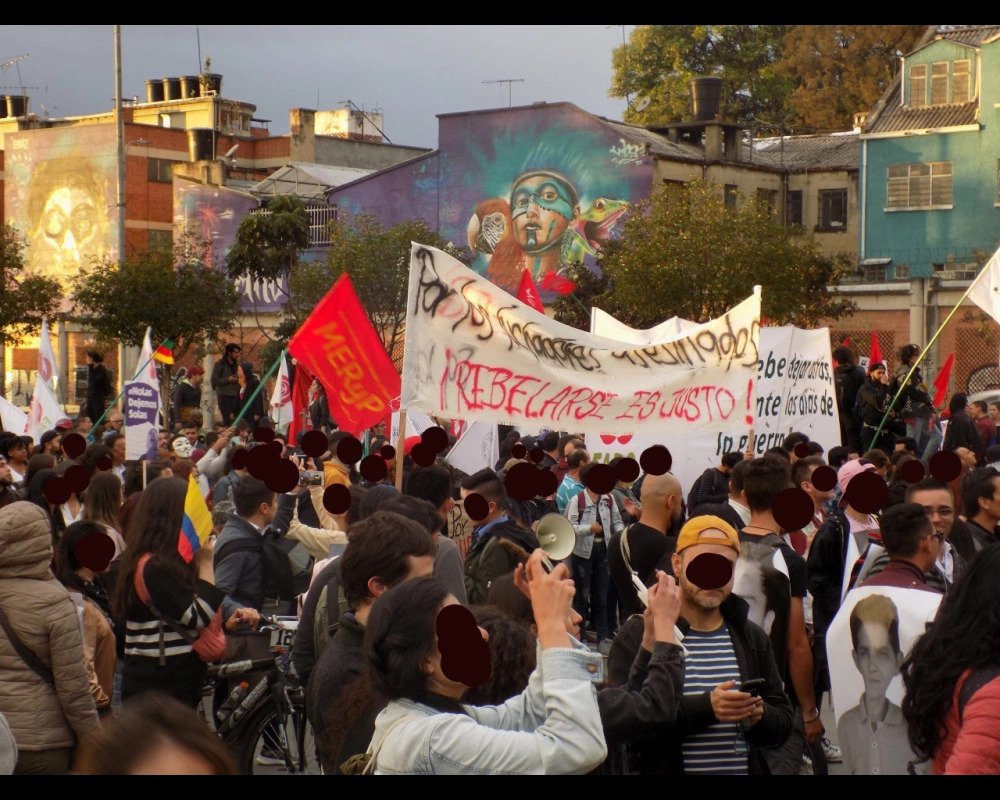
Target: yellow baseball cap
(691,533)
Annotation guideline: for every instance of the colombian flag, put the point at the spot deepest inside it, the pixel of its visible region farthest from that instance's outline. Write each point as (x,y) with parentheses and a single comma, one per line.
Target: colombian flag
(197,524)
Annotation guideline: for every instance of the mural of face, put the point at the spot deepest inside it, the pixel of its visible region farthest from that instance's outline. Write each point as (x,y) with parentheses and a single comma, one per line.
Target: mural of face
(876,658)
(542,206)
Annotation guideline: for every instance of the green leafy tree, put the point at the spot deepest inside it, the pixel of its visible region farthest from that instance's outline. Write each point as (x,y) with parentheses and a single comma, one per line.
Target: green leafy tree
(180,297)
(592,289)
(269,243)
(24,299)
(659,61)
(841,69)
(684,253)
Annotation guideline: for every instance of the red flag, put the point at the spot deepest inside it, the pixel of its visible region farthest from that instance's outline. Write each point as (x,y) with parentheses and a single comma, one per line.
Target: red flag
(300,402)
(527,292)
(339,346)
(559,284)
(876,355)
(846,342)
(942,380)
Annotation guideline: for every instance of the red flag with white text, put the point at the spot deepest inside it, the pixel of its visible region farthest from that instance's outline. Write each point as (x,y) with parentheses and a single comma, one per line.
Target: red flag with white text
(339,346)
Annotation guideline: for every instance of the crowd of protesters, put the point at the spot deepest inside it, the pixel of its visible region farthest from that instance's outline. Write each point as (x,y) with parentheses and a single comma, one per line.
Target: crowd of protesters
(423,649)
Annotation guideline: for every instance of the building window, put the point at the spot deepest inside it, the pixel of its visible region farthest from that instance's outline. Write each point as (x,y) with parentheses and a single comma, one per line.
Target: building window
(918,85)
(162,241)
(793,208)
(939,83)
(769,198)
(920,186)
(158,170)
(961,83)
(730,195)
(832,210)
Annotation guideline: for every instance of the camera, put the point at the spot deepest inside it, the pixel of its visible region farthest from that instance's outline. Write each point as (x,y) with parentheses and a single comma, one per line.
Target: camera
(311,478)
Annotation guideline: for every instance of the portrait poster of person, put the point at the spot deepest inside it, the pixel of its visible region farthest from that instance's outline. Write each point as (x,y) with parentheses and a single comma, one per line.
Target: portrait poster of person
(761,578)
(866,643)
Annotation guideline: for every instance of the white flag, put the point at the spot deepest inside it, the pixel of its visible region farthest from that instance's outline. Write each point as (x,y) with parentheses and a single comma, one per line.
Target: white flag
(986,290)
(12,418)
(281,398)
(145,370)
(46,358)
(478,448)
(44,413)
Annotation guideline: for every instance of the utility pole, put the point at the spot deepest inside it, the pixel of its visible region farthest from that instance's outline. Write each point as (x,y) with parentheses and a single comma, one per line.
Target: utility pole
(120,133)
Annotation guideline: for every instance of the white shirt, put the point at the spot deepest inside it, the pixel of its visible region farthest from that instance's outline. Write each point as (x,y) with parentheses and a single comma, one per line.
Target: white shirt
(741,509)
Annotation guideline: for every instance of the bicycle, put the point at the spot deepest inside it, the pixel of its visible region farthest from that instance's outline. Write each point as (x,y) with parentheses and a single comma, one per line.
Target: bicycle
(268,729)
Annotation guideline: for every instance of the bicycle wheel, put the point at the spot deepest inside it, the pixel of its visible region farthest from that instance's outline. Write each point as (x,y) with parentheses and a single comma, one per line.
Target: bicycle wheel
(266,742)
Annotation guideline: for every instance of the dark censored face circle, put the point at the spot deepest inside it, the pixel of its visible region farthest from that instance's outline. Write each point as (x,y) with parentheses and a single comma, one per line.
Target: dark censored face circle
(801,450)
(104,463)
(337,499)
(373,468)
(349,450)
(258,461)
(522,481)
(77,478)
(912,471)
(656,460)
(465,655)
(56,490)
(547,484)
(281,476)
(867,492)
(945,466)
(388,452)
(262,434)
(94,551)
(792,509)
(422,455)
(628,470)
(73,445)
(314,443)
(518,451)
(600,479)
(239,459)
(536,454)
(476,506)
(709,571)
(824,478)
(435,438)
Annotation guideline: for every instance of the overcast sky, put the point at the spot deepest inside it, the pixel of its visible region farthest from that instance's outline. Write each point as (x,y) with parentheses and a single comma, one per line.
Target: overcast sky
(410,73)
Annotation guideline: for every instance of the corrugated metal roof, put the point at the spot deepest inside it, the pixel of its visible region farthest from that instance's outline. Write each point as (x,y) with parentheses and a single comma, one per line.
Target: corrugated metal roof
(973,35)
(827,151)
(659,145)
(896,117)
(308,180)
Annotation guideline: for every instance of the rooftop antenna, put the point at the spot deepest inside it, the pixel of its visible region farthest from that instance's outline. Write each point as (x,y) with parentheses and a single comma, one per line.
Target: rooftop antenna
(508,81)
(349,104)
(197,34)
(13,63)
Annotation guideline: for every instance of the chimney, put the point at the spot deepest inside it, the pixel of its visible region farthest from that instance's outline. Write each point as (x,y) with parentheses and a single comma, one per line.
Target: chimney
(706,98)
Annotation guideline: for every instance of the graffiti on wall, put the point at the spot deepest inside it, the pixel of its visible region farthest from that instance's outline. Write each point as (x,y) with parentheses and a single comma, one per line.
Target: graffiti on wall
(60,189)
(212,215)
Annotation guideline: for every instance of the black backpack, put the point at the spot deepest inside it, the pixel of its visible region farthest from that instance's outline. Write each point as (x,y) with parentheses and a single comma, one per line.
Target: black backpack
(287,564)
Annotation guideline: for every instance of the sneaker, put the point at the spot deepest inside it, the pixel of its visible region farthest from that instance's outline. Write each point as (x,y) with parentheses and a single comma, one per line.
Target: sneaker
(807,765)
(832,752)
(266,759)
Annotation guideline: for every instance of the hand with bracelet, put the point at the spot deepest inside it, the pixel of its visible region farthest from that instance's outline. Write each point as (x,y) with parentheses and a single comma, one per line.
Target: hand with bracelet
(814,729)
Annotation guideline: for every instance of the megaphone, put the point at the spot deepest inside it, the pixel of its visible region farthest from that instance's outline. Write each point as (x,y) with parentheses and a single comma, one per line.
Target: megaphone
(556,537)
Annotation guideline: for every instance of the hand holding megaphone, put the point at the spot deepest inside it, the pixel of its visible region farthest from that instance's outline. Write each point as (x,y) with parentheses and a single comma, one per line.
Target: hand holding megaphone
(556,539)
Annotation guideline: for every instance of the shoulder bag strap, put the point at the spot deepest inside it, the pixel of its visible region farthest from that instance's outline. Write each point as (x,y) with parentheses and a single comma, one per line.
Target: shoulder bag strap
(624,548)
(26,654)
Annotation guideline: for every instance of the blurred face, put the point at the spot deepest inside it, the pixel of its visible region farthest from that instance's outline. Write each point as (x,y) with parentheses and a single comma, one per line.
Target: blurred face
(196,379)
(878,375)
(54,446)
(18,454)
(876,659)
(995,412)
(700,598)
(991,506)
(163,439)
(118,451)
(191,434)
(966,456)
(6,476)
(817,495)
(938,506)
(116,422)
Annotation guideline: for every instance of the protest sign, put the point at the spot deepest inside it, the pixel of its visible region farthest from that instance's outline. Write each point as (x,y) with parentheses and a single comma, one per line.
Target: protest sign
(475,352)
(794,391)
(142,404)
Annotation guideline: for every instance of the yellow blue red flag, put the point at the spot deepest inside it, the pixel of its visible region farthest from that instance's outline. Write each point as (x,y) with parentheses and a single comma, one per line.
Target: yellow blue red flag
(197,524)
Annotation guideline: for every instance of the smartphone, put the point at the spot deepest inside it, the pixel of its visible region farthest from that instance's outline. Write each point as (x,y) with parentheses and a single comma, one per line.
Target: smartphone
(753,686)
(311,478)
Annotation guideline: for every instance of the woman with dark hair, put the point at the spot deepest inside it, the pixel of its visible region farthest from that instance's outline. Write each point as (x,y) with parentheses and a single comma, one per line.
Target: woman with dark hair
(38,461)
(248,383)
(952,677)
(102,504)
(512,656)
(156,735)
(15,450)
(554,726)
(156,656)
(36,495)
(92,601)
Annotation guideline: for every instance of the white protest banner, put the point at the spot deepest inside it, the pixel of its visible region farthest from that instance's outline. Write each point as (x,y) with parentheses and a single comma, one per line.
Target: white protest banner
(475,352)
(416,423)
(478,448)
(12,418)
(45,411)
(47,359)
(865,683)
(603,324)
(142,406)
(281,399)
(794,391)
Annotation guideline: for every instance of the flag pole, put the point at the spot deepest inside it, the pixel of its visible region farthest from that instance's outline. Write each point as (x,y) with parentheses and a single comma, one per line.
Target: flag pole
(90,436)
(913,368)
(260,387)
(400,441)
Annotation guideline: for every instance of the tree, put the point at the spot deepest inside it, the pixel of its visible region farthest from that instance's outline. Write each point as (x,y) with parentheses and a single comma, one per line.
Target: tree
(592,289)
(180,297)
(659,61)
(24,299)
(684,253)
(841,69)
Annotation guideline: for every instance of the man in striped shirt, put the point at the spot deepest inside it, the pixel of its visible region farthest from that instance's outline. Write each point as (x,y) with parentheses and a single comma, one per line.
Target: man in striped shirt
(721,727)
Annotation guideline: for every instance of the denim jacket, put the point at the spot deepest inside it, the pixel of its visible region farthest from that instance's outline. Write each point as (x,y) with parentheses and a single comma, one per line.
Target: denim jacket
(582,521)
(553,727)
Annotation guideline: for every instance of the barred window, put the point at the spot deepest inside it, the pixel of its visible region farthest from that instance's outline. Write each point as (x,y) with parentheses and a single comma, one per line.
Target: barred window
(939,83)
(961,83)
(918,85)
